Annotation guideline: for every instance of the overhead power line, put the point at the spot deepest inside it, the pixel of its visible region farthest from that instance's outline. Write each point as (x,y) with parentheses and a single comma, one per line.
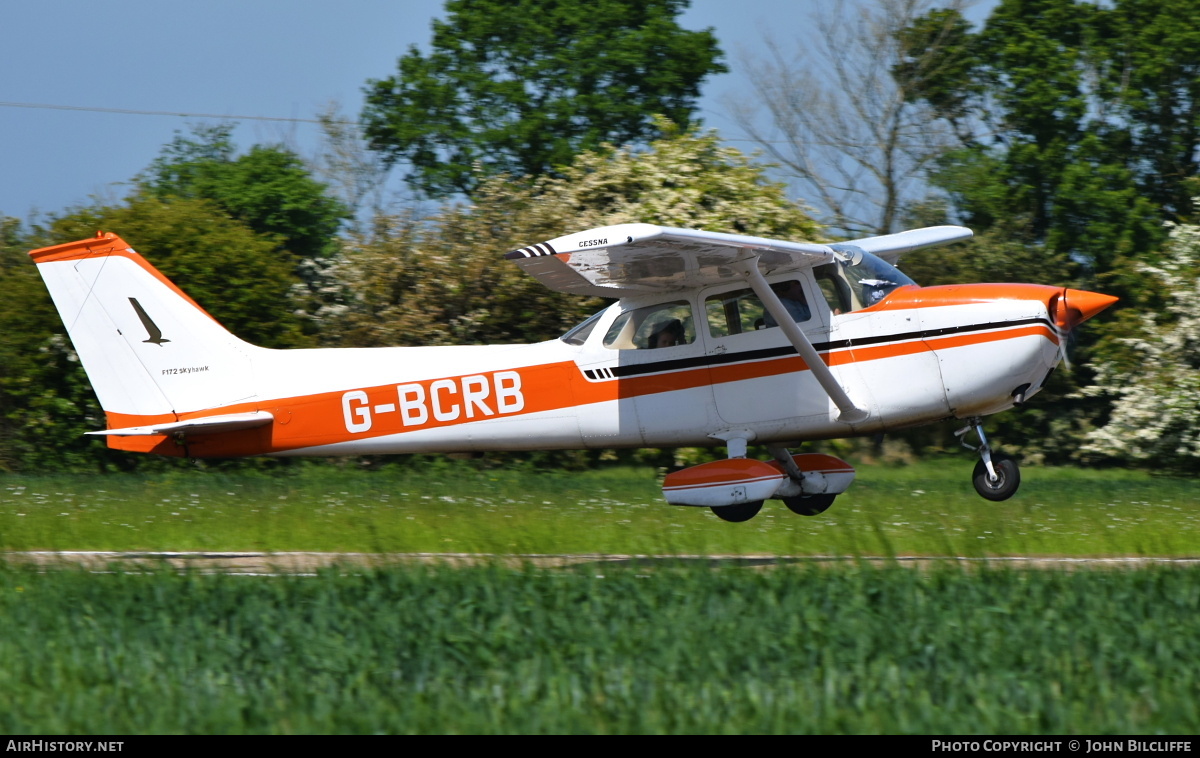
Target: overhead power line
(235,117)
(176,114)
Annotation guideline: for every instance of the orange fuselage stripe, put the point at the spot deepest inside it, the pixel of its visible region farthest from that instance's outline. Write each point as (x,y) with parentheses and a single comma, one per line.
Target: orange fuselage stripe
(320,419)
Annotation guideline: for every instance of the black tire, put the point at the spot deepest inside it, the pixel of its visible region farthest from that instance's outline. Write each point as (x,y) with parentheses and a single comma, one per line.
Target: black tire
(809,505)
(1005,486)
(738,513)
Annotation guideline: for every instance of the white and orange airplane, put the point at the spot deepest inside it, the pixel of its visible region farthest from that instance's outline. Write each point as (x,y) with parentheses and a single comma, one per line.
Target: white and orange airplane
(714,339)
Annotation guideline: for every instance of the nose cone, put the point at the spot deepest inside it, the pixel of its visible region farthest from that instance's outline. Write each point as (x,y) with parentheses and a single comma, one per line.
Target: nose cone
(1076,306)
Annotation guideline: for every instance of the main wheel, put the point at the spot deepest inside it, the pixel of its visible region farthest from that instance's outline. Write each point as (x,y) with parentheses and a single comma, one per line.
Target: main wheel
(738,513)
(809,505)
(1008,478)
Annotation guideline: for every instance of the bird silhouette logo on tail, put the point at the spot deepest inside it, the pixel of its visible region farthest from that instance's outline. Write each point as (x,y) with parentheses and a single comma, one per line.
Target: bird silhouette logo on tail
(152,329)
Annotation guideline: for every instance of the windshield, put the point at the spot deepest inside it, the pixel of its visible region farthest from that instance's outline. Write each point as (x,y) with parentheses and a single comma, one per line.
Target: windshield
(857,279)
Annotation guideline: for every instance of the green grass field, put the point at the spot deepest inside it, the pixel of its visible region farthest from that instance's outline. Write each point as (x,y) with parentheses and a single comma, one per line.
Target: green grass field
(925,509)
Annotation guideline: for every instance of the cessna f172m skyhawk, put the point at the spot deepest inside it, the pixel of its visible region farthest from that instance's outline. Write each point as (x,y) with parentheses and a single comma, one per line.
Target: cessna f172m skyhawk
(714,339)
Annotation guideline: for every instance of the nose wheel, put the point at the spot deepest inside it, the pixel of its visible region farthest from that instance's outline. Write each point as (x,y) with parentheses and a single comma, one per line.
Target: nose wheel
(996,476)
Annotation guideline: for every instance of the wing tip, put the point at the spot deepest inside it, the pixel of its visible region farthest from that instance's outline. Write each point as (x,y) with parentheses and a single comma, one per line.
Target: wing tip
(533,251)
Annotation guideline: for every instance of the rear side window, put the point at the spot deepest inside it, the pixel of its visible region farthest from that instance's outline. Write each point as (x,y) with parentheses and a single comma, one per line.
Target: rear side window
(579,333)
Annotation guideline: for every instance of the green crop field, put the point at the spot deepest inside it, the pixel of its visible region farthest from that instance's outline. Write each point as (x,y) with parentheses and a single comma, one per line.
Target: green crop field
(684,649)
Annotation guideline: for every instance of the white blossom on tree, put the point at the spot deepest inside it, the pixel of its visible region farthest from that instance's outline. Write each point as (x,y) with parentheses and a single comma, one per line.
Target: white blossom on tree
(443,280)
(1156,413)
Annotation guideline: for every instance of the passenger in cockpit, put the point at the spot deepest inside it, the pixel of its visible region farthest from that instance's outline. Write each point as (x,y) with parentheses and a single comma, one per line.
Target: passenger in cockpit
(667,334)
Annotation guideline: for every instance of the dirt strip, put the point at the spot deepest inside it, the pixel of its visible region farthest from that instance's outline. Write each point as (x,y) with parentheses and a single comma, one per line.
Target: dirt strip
(310,562)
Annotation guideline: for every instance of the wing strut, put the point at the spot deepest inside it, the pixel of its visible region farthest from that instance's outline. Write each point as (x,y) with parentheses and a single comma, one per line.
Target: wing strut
(850,413)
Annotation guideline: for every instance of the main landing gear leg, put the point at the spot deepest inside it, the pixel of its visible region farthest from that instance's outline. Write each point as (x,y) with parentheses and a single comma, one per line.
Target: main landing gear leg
(735,446)
(801,504)
(996,476)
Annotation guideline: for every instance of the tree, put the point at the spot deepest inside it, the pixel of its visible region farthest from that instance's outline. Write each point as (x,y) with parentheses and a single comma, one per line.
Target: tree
(229,270)
(1156,386)
(1078,124)
(269,189)
(445,281)
(1153,74)
(840,116)
(521,86)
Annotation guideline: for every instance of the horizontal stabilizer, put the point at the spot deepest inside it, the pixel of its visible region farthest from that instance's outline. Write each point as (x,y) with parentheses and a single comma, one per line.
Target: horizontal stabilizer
(230,422)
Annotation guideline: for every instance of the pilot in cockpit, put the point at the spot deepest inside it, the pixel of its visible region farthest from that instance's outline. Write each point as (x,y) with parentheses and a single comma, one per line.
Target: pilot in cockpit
(791,294)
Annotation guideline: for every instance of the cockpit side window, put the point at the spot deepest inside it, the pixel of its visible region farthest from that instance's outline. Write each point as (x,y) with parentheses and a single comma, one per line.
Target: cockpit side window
(652,327)
(795,302)
(741,311)
(733,312)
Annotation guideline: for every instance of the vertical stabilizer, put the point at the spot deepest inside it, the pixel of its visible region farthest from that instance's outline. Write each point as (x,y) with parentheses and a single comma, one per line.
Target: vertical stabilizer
(148,349)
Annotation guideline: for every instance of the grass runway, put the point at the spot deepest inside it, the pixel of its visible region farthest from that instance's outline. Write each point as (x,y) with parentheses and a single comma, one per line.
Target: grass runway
(928,509)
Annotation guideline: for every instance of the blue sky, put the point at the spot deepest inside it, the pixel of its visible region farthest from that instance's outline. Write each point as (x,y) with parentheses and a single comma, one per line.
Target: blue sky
(276,58)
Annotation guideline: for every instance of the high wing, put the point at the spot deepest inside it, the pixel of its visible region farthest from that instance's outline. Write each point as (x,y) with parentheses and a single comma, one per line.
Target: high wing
(891,246)
(628,259)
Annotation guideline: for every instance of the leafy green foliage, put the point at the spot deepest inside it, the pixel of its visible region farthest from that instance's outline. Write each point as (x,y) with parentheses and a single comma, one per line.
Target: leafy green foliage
(937,62)
(1078,121)
(269,189)
(1152,71)
(520,87)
